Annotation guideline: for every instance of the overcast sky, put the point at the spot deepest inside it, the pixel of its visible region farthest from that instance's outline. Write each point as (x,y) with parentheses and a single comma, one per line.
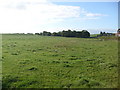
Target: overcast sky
(30,16)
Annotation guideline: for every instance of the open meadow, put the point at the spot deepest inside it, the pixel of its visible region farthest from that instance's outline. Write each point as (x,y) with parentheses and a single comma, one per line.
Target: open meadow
(34,61)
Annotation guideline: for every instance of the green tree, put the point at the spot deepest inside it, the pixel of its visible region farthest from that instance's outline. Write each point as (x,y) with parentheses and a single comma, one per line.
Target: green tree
(85,34)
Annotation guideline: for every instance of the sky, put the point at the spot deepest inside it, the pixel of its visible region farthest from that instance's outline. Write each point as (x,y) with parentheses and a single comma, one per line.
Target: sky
(34,16)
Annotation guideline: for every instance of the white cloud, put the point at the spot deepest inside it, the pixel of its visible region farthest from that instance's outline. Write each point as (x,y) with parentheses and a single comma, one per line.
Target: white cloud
(33,15)
(24,15)
(89,15)
(94,14)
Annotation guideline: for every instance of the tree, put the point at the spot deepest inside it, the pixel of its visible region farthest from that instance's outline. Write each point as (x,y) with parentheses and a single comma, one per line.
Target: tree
(101,33)
(85,34)
(68,33)
(45,33)
(37,34)
(54,34)
(78,34)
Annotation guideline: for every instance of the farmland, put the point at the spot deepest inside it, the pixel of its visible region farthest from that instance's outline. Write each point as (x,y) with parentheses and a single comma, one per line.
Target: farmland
(33,61)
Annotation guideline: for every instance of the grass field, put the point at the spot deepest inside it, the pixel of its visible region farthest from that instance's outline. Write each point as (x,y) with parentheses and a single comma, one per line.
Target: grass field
(31,61)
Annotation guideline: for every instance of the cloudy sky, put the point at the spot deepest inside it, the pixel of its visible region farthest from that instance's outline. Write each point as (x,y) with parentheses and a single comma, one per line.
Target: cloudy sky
(30,16)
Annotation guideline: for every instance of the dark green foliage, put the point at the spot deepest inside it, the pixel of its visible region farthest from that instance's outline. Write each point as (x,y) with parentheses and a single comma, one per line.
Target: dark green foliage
(85,34)
(69,33)
(56,34)
(80,34)
(37,33)
(45,33)
(105,34)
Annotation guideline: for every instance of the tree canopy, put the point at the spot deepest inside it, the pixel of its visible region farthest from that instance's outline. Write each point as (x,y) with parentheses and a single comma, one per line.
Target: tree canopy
(68,33)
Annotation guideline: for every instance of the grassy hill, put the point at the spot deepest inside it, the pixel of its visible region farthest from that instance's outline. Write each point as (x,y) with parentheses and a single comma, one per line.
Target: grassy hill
(32,61)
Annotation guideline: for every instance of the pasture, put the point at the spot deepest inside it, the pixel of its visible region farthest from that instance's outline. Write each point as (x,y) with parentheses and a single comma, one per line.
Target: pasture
(33,61)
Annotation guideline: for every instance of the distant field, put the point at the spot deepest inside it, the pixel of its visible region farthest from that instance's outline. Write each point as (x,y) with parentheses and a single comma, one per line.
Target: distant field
(31,61)
(94,35)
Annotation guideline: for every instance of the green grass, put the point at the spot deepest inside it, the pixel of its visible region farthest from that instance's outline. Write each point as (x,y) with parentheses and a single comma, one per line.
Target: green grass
(94,35)
(108,38)
(31,61)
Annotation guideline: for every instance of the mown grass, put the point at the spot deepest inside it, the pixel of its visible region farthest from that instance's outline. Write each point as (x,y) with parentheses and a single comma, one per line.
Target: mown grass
(31,61)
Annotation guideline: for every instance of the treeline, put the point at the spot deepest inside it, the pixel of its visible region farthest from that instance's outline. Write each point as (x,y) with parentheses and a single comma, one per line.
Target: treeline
(105,34)
(68,33)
